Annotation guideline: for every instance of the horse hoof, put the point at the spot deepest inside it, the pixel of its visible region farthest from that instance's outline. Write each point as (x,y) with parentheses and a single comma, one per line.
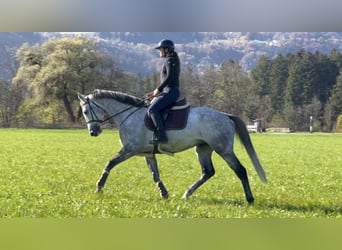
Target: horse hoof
(98,190)
(165,196)
(251,202)
(185,196)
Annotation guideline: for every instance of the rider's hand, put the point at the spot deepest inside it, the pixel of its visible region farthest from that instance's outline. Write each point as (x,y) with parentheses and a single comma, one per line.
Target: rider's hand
(152,94)
(149,95)
(155,92)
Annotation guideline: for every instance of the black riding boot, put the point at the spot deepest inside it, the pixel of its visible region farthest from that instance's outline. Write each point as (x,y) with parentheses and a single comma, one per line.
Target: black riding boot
(159,135)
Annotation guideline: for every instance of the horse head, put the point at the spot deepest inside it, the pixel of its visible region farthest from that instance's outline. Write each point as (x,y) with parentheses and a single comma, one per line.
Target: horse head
(93,114)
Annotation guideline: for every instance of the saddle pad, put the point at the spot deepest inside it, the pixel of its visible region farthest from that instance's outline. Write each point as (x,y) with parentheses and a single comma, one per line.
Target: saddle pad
(176,120)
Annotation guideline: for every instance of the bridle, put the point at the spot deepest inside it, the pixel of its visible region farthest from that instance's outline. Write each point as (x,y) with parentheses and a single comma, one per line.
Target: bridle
(94,117)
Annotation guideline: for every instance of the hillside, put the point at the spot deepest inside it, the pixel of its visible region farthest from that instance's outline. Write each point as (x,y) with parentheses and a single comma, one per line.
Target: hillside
(135,52)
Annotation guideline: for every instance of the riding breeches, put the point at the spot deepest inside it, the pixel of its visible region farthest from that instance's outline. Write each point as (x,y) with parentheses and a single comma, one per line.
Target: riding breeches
(164,101)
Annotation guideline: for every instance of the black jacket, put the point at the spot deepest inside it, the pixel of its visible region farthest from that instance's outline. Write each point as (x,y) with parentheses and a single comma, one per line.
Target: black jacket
(169,75)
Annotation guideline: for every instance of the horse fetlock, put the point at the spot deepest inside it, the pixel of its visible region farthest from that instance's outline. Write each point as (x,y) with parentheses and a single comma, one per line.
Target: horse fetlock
(101,182)
(162,190)
(99,186)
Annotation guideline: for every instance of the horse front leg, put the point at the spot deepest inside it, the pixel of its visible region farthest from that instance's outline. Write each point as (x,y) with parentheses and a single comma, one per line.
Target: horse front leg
(153,167)
(119,157)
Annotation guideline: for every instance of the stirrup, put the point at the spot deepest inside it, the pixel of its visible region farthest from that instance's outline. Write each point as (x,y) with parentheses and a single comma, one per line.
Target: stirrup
(157,149)
(158,140)
(162,151)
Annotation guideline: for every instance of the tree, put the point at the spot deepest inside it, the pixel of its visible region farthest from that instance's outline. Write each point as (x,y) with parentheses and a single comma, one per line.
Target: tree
(327,70)
(338,128)
(335,100)
(191,87)
(336,58)
(58,69)
(235,92)
(278,79)
(5,102)
(261,75)
(205,91)
(8,64)
(303,78)
(295,83)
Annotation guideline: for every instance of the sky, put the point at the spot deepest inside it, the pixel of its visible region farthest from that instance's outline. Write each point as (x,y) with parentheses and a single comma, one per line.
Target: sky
(166,15)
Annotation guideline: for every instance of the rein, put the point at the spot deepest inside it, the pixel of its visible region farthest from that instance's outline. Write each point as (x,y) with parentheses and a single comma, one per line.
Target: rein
(94,117)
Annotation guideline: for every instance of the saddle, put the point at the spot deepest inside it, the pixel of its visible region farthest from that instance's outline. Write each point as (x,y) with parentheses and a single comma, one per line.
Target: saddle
(175,118)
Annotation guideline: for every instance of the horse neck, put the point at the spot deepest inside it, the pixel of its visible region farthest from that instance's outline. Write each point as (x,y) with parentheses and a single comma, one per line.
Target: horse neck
(117,109)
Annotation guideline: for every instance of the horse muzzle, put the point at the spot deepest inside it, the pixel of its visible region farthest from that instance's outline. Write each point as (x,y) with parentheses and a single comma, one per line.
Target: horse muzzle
(95,131)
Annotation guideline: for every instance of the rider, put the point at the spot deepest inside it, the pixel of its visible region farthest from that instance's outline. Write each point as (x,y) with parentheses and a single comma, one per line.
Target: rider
(167,93)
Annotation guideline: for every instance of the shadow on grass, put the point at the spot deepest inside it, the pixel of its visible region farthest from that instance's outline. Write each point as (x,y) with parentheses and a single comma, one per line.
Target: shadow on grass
(306,210)
(309,209)
(222,202)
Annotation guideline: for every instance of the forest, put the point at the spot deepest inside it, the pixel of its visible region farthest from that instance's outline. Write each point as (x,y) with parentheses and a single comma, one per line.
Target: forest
(283,91)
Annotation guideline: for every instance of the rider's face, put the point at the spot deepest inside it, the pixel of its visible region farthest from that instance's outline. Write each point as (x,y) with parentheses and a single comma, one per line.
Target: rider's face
(162,52)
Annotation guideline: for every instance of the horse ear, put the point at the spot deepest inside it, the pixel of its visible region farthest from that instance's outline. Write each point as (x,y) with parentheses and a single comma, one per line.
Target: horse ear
(81,97)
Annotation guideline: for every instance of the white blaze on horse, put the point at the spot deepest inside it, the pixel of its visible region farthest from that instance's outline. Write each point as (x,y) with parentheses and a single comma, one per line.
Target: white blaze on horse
(206,129)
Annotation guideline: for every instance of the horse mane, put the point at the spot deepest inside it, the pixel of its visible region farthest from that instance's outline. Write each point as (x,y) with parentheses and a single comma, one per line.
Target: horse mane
(120,97)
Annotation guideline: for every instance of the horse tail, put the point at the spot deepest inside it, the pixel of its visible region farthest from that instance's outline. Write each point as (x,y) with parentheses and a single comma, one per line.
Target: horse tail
(245,139)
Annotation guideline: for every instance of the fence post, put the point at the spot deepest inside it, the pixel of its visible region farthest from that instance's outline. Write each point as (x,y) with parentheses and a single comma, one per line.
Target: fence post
(311,124)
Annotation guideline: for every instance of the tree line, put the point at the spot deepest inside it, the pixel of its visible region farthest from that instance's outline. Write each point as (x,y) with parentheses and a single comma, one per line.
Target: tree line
(282,91)
(297,86)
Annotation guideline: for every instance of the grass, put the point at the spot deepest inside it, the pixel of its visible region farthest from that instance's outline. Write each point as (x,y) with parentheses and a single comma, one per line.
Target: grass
(52,174)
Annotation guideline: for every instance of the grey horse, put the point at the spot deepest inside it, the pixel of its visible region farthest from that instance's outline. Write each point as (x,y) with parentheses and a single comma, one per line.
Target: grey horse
(207,129)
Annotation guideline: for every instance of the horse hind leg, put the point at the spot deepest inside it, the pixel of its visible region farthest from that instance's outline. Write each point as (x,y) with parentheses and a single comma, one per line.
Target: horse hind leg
(204,153)
(153,167)
(240,171)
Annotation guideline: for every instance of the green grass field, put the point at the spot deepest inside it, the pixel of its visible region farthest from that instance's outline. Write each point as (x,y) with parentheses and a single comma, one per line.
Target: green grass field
(52,174)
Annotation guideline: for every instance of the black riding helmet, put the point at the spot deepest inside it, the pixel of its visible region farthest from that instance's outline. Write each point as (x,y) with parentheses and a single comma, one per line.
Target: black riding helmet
(166,44)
